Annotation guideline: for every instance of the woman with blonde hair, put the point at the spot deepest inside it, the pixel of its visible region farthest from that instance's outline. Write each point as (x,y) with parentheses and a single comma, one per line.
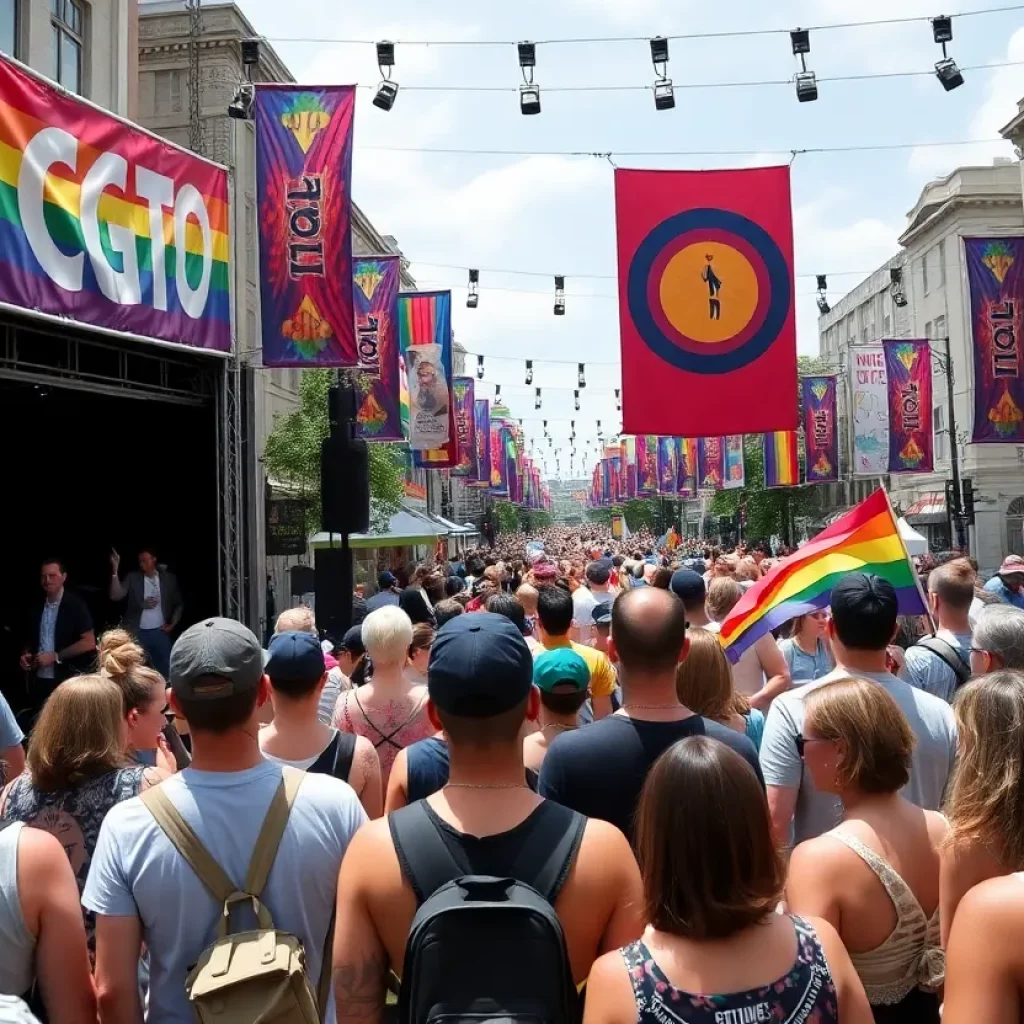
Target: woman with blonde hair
(77,770)
(806,649)
(875,877)
(704,685)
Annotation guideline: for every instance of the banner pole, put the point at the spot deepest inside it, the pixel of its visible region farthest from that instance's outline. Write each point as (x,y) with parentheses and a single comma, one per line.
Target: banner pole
(910,561)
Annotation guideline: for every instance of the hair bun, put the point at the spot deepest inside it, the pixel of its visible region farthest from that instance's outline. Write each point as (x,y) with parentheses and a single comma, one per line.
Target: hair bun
(119,654)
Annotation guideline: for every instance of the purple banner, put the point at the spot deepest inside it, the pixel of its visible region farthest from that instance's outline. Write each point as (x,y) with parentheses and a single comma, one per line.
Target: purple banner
(482,442)
(606,481)
(995,272)
(646,465)
(304,199)
(375,295)
(821,434)
(710,463)
(668,482)
(908,367)
(687,466)
(616,471)
(465,427)
(499,476)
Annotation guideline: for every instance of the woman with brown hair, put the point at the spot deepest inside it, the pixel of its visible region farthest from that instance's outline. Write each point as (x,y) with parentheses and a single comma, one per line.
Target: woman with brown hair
(704,685)
(419,653)
(875,877)
(714,948)
(806,649)
(77,770)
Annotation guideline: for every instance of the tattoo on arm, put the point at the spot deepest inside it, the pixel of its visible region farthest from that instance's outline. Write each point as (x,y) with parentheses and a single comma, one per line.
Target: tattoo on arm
(359,990)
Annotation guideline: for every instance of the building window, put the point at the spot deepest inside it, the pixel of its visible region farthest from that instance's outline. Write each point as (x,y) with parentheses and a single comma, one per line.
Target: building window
(886,326)
(9,27)
(924,273)
(167,92)
(941,247)
(939,328)
(941,438)
(67,20)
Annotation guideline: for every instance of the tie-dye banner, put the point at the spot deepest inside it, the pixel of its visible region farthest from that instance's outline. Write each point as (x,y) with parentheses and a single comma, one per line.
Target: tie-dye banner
(995,271)
(375,294)
(465,427)
(646,465)
(908,368)
(821,433)
(481,443)
(107,226)
(668,481)
(781,461)
(629,450)
(687,465)
(304,199)
(425,337)
(499,477)
(710,463)
(735,470)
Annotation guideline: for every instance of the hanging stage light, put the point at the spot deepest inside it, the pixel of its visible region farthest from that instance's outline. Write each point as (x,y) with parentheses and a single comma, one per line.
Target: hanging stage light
(822,282)
(823,306)
(479,367)
(536,401)
(806,82)
(497,391)
(529,371)
(664,95)
(559,295)
(473,298)
(527,57)
(801,40)
(581,380)
(946,69)
(576,395)
(529,92)
(942,29)
(387,90)
(618,400)
(572,423)
(899,296)
(240,107)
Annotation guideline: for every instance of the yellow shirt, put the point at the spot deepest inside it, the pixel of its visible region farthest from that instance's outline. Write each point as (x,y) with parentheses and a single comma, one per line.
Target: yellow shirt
(602,675)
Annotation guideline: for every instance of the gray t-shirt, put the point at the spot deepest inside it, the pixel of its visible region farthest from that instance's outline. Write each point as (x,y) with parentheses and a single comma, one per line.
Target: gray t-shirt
(927,671)
(804,667)
(930,718)
(136,871)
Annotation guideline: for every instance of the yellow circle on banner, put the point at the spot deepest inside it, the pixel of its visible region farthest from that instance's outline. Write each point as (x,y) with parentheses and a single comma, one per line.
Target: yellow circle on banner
(709,292)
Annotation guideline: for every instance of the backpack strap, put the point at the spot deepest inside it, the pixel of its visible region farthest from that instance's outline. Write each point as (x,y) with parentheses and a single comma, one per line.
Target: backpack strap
(946,652)
(548,881)
(423,855)
(272,831)
(344,751)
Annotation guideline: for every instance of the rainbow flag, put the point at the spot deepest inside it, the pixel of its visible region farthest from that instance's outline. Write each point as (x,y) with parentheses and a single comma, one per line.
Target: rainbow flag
(781,468)
(864,540)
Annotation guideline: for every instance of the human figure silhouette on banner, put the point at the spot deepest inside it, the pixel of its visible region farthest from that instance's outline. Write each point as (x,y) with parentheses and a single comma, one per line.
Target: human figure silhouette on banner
(714,287)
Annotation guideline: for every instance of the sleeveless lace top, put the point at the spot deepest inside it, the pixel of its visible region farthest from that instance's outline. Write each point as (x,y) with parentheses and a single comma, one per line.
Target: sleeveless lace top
(805,993)
(912,956)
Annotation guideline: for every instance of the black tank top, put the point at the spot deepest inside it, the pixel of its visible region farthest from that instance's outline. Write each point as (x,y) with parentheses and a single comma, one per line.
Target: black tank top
(806,993)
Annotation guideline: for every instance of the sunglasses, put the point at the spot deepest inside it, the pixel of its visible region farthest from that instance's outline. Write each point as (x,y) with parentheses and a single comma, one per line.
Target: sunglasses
(802,741)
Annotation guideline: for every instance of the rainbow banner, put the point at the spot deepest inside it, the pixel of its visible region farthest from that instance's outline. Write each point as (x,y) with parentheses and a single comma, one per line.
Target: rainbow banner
(481,476)
(106,225)
(735,469)
(425,340)
(465,426)
(908,368)
(995,271)
(864,540)
(687,467)
(375,284)
(304,199)
(629,449)
(781,462)
(821,435)
(668,468)
(710,463)
(646,465)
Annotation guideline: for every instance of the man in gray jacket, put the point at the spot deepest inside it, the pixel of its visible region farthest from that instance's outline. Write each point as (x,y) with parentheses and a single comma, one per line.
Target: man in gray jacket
(153,609)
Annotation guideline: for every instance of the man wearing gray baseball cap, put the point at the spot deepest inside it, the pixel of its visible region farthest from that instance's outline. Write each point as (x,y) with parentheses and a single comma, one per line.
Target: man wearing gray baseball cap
(143,889)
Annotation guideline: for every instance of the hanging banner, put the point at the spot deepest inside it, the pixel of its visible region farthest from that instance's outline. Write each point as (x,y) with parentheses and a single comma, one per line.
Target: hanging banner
(375,295)
(995,272)
(499,478)
(735,470)
(425,338)
(615,468)
(508,447)
(706,301)
(908,368)
(687,467)
(108,226)
(710,463)
(465,427)
(606,481)
(304,200)
(668,471)
(781,463)
(821,433)
(482,442)
(646,465)
(870,400)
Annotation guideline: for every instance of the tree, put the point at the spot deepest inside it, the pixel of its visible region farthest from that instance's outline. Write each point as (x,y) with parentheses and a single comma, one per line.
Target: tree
(292,454)
(506,517)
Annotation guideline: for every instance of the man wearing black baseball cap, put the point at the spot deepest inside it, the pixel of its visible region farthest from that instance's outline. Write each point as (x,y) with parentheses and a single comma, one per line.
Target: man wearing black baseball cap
(688,586)
(480,681)
(387,592)
(863,623)
(140,885)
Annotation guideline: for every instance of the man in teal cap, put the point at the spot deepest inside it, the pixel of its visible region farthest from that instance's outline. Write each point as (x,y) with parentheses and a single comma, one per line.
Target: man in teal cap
(563,678)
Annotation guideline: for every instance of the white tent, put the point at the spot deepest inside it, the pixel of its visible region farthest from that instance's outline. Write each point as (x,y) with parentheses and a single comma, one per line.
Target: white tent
(913,541)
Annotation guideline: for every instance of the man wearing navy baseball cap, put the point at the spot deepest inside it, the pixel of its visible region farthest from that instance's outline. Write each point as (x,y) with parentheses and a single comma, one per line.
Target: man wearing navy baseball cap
(480,685)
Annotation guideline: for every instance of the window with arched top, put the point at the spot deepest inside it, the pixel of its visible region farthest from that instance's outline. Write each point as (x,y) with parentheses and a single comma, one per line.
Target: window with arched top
(1015,527)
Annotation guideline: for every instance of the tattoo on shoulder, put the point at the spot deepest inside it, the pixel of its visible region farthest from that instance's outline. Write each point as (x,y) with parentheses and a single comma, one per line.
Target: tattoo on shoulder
(359,990)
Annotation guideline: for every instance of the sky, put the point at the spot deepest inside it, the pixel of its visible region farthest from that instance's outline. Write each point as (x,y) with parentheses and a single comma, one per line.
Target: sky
(553,214)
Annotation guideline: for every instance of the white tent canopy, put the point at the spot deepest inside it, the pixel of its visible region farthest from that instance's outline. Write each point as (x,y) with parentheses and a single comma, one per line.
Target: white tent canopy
(912,540)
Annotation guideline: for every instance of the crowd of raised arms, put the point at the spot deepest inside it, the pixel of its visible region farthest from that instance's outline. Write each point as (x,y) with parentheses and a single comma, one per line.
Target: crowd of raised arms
(529,785)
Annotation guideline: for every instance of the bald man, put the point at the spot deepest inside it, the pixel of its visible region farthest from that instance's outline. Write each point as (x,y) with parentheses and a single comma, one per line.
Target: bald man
(600,770)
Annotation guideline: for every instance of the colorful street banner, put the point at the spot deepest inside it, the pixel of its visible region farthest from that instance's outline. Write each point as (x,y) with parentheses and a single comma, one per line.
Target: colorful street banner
(687,467)
(108,226)
(508,447)
(499,479)
(375,295)
(482,442)
(667,466)
(706,301)
(781,462)
(304,199)
(646,465)
(465,427)
(821,432)
(624,470)
(606,481)
(615,468)
(869,392)
(908,367)
(629,447)
(995,272)
(425,339)
(710,463)
(735,470)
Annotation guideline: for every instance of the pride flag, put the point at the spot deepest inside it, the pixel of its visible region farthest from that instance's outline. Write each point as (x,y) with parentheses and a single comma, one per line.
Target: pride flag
(781,467)
(864,540)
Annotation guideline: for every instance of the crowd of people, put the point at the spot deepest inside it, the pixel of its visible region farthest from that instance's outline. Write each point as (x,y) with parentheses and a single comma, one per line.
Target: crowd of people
(530,784)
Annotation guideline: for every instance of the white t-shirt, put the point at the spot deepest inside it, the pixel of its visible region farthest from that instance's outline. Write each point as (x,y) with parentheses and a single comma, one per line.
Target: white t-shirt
(136,871)
(152,618)
(583,605)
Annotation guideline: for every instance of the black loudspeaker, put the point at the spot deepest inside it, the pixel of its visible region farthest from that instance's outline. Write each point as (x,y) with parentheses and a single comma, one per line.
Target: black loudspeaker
(344,485)
(333,591)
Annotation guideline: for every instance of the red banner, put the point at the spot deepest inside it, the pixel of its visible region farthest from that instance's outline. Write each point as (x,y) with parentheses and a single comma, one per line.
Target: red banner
(908,368)
(706,301)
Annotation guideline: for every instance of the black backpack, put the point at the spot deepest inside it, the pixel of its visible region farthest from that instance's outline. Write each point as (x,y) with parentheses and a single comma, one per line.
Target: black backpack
(336,759)
(484,949)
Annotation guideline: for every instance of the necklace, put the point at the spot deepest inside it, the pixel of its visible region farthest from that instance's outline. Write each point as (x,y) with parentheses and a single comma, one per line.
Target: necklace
(485,785)
(557,725)
(651,707)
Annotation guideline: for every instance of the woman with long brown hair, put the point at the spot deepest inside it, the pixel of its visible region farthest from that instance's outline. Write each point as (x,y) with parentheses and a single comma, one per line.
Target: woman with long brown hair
(806,649)
(714,948)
